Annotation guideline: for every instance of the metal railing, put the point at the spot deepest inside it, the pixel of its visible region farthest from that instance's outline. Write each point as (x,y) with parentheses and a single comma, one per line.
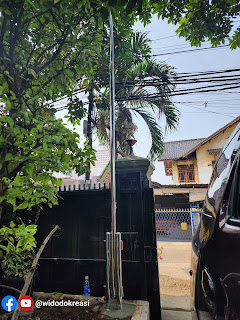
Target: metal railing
(173,224)
(84,186)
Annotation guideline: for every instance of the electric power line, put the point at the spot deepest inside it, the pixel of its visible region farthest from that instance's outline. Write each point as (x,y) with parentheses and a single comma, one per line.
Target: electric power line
(177,93)
(209,111)
(191,78)
(164,38)
(191,50)
(176,46)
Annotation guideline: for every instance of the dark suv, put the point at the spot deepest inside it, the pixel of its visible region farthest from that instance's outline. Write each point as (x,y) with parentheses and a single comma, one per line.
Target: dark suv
(215,283)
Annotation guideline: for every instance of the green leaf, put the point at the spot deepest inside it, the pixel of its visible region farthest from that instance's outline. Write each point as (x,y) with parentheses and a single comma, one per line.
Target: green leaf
(7,119)
(33,72)
(2,198)
(32,4)
(9,157)
(23,205)
(3,247)
(4,87)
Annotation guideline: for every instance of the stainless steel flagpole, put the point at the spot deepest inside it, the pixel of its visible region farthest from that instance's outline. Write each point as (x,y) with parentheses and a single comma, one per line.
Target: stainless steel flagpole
(113,238)
(113,151)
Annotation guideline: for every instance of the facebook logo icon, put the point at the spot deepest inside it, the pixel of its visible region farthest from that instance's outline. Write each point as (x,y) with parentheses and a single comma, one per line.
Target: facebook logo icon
(9,303)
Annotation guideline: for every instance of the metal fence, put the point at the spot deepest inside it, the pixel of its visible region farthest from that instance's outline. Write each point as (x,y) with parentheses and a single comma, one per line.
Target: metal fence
(173,224)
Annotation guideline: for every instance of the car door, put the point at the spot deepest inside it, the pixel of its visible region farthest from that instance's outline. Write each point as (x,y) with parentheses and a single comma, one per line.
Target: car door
(218,247)
(229,237)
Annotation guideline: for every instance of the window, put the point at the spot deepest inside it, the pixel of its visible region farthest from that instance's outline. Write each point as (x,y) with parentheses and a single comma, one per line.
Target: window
(186,173)
(233,210)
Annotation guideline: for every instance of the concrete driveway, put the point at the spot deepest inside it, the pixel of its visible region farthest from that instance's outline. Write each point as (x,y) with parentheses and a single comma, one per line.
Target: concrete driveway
(175,280)
(176,315)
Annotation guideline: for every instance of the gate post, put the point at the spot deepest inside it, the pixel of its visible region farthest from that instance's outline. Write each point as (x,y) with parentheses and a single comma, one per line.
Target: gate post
(136,222)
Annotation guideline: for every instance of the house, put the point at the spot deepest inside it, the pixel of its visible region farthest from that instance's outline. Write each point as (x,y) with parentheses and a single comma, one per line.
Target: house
(190,163)
(102,159)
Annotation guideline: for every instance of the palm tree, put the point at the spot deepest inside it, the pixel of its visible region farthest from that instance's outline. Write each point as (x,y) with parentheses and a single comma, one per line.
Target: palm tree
(146,91)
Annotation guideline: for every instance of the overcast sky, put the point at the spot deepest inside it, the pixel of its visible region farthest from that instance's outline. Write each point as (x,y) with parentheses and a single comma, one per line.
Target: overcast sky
(202,113)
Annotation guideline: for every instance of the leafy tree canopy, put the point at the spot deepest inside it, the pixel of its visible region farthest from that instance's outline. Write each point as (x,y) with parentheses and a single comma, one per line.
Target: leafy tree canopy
(44,47)
(199,20)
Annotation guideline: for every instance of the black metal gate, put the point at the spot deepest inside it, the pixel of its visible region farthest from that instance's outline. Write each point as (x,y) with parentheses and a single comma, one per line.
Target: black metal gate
(78,248)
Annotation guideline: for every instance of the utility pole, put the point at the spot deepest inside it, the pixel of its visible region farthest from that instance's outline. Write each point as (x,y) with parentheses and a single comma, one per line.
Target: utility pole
(89,129)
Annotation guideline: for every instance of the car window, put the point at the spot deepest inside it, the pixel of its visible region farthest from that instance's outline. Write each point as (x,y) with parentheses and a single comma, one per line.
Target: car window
(220,178)
(233,210)
(224,208)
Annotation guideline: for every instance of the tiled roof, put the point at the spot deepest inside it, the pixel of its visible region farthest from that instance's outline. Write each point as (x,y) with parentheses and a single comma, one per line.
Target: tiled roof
(157,185)
(175,149)
(212,136)
(184,148)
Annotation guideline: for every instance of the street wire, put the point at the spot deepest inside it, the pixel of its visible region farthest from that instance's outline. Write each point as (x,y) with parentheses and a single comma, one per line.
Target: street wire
(209,111)
(187,78)
(176,46)
(165,37)
(191,50)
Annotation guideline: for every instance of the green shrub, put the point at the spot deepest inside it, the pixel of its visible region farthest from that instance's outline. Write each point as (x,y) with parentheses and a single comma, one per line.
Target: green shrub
(17,245)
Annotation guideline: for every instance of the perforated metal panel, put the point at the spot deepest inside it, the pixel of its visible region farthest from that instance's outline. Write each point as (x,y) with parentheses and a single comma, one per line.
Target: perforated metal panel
(173,225)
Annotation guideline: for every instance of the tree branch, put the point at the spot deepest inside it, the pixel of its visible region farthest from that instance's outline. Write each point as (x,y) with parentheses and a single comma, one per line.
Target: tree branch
(55,19)
(10,288)
(61,70)
(54,55)
(31,54)
(31,272)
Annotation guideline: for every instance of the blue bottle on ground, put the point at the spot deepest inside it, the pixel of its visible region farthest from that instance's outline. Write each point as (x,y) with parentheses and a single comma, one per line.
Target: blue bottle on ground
(86,289)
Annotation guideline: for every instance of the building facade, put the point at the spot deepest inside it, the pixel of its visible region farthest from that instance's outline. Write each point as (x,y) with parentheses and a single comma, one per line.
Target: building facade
(190,163)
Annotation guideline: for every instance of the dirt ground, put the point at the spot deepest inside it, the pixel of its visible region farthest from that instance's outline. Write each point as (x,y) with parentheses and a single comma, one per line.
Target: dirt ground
(174,286)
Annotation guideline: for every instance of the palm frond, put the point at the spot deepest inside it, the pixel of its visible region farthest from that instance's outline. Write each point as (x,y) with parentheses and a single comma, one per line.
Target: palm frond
(172,116)
(157,146)
(102,125)
(103,137)
(147,90)
(140,46)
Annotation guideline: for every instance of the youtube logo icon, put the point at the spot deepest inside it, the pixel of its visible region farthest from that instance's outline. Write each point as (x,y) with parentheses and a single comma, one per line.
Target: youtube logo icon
(26,303)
